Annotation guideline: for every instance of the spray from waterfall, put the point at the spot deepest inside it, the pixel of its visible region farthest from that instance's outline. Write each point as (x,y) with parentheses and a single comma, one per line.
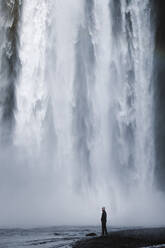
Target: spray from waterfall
(83,109)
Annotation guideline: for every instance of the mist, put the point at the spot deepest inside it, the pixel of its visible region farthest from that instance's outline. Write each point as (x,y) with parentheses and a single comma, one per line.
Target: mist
(81,109)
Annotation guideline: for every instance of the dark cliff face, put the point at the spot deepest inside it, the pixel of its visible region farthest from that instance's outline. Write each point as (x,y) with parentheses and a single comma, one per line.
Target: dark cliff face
(9,63)
(160,34)
(160,93)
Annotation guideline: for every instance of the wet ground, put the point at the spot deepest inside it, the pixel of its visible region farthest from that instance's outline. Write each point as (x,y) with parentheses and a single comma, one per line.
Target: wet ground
(70,236)
(130,238)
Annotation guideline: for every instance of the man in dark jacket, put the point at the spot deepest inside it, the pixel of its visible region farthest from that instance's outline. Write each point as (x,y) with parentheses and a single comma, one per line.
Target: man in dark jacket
(104,222)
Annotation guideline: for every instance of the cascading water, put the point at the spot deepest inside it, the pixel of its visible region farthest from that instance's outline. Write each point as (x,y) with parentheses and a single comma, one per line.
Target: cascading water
(84,114)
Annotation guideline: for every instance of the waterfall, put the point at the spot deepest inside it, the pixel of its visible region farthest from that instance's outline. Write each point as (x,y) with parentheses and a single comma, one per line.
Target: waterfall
(133,102)
(83,104)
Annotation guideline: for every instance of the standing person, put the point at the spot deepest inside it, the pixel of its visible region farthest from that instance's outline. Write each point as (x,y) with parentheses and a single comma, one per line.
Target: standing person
(104,222)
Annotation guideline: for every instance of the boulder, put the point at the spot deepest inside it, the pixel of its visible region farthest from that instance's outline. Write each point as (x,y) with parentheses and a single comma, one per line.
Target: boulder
(91,234)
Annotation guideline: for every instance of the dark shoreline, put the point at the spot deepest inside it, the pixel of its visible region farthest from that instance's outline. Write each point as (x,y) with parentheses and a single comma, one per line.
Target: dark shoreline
(132,238)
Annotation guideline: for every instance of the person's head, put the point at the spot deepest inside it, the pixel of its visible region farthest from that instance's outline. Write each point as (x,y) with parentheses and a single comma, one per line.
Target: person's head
(103,208)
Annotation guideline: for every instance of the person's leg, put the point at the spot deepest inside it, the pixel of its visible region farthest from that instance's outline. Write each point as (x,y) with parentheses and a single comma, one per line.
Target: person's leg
(102,229)
(106,233)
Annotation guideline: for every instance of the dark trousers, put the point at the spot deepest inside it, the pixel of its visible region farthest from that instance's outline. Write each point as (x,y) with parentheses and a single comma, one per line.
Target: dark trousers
(104,229)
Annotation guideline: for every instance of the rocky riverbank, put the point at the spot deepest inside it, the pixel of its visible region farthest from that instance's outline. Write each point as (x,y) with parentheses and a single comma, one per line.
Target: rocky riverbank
(142,237)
